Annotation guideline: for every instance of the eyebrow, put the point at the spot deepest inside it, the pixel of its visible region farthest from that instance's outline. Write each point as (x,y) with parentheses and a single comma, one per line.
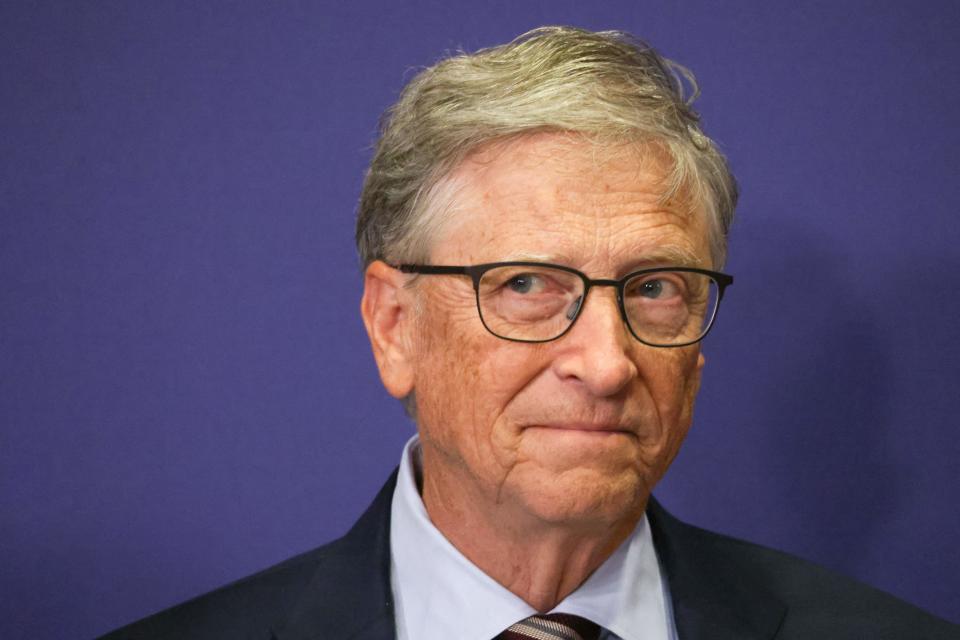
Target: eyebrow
(527,256)
(660,256)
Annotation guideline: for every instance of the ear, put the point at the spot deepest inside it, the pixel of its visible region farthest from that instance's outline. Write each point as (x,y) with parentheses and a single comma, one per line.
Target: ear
(698,370)
(387,314)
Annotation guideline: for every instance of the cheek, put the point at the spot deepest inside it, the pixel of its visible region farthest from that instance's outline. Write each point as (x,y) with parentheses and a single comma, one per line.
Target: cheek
(674,388)
(673,378)
(449,369)
(465,382)
(442,337)
(446,377)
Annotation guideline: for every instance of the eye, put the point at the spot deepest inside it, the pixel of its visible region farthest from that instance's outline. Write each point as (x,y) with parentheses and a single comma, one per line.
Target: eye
(525,283)
(662,287)
(651,289)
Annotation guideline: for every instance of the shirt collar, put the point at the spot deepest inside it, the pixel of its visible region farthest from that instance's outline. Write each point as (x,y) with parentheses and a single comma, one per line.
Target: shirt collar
(440,594)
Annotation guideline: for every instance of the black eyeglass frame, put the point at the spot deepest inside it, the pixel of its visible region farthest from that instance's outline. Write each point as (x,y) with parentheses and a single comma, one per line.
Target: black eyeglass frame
(476,272)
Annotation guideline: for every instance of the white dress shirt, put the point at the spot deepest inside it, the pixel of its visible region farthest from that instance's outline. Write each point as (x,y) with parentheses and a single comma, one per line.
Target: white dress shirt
(439,594)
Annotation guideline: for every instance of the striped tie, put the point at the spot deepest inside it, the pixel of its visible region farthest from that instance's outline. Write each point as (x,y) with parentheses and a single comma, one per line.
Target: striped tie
(554,626)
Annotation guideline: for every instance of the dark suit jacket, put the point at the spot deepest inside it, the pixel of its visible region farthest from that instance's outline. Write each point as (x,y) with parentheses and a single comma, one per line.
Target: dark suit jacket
(722,589)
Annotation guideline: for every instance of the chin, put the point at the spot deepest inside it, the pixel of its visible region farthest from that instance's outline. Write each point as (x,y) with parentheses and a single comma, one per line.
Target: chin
(585,497)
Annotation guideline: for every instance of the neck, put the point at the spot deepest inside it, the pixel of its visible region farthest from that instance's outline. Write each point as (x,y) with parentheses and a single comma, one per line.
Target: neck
(539,560)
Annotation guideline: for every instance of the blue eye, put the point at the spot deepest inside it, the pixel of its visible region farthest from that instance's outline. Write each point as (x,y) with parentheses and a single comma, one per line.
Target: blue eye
(522,283)
(651,288)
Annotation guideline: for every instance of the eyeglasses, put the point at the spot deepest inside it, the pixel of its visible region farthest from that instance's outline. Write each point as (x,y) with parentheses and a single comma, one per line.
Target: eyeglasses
(537,302)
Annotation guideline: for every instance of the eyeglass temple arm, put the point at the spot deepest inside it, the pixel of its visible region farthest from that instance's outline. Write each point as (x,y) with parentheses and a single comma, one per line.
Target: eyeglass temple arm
(432,269)
(723,281)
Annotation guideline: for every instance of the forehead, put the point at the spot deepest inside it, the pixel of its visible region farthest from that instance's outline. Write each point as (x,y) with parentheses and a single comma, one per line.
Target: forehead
(564,199)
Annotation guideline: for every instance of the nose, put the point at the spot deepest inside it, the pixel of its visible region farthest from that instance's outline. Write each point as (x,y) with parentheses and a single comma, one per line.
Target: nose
(596,352)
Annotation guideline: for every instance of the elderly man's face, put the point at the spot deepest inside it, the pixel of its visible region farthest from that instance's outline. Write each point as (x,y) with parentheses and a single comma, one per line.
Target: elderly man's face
(580,428)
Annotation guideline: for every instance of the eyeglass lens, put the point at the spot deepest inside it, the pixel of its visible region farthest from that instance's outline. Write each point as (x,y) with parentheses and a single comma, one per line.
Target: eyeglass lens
(536,303)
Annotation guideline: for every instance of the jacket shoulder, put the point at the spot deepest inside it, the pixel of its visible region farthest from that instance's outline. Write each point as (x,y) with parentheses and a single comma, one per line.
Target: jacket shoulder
(818,602)
(338,583)
(251,607)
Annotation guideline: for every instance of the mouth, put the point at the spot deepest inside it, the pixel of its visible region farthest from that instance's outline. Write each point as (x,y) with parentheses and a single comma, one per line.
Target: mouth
(584,429)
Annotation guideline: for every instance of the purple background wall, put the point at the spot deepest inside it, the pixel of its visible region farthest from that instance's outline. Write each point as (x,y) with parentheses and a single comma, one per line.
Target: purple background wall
(186,392)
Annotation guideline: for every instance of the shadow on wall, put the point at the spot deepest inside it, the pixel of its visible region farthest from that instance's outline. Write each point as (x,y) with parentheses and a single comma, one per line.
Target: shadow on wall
(824,403)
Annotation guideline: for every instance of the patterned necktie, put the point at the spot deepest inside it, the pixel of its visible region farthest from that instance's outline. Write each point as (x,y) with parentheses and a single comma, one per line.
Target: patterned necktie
(554,626)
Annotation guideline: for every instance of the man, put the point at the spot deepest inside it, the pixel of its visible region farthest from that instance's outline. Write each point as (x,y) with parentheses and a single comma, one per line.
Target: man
(542,228)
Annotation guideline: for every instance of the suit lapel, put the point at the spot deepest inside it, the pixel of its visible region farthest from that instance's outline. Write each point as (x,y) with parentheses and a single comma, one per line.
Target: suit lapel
(712,598)
(349,595)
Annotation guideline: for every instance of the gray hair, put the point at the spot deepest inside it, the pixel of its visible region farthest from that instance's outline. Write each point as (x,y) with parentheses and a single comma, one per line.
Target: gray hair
(607,86)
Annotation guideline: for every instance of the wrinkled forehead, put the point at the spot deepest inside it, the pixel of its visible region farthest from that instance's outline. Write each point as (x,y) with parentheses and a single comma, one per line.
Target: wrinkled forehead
(566,199)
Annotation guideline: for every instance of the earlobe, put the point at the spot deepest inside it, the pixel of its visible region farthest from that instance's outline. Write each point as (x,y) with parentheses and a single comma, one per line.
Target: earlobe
(385,309)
